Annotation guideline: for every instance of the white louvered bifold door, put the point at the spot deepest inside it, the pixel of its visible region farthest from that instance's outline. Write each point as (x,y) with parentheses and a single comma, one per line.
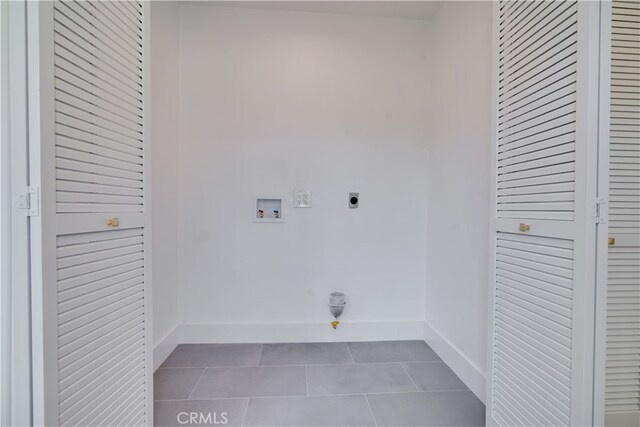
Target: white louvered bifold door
(622,395)
(95,293)
(543,293)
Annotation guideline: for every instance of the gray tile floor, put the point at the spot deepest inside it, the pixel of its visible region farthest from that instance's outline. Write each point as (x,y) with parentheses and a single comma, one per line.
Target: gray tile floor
(390,383)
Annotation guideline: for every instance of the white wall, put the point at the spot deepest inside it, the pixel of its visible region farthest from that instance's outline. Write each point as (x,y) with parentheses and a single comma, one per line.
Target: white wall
(459,189)
(273,101)
(163,137)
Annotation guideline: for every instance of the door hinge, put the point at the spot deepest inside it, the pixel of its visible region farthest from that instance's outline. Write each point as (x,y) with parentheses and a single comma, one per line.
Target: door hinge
(29,200)
(601,210)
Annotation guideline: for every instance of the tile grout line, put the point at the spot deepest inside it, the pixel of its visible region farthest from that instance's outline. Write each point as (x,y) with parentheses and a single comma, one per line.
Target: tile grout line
(406,371)
(244,415)
(299,365)
(244,397)
(351,354)
(370,410)
(260,356)
(306,381)
(197,383)
(315,395)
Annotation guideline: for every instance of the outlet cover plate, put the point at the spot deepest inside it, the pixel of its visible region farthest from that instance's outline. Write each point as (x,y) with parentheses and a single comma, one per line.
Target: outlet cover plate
(302,199)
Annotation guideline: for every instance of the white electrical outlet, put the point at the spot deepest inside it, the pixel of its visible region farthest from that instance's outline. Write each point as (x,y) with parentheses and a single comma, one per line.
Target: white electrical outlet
(301,199)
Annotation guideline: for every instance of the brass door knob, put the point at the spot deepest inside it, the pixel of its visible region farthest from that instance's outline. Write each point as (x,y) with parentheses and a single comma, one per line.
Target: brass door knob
(524,227)
(612,241)
(113,222)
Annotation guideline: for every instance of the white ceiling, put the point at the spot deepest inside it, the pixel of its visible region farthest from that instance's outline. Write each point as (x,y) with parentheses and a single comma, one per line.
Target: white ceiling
(393,9)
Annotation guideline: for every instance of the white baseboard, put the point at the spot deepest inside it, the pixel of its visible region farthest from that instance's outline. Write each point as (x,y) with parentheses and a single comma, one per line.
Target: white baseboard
(165,346)
(300,332)
(622,419)
(472,375)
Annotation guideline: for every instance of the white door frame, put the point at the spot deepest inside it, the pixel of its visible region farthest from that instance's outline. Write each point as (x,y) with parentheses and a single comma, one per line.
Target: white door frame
(493,185)
(43,227)
(602,254)
(15,308)
(590,231)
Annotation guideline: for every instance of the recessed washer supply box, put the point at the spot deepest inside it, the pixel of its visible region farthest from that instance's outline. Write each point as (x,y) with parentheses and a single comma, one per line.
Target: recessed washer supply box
(269,205)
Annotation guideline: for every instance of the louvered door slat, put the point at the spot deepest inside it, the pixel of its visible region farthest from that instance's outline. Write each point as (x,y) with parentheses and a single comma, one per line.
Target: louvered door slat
(538,321)
(127,116)
(70,55)
(118,68)
(68,116)
(525,320)
(128,342)
(92,148)
(66,132)
(545,294)
(106,123)
(553,27)
(84,166)
(92,38)
(519,24)
(117,17)
(97,280)
(557,96)
(94,105)
(509,11)
(537,145)
(135,12)
(80,187)
(564,81)
(99,157)
(127,38)
(128,13)
(87,406)
(91,345)
(105,369)
(129,401)
(86,16)
(81,88)
(89,178)
(86,75)
(622,384)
